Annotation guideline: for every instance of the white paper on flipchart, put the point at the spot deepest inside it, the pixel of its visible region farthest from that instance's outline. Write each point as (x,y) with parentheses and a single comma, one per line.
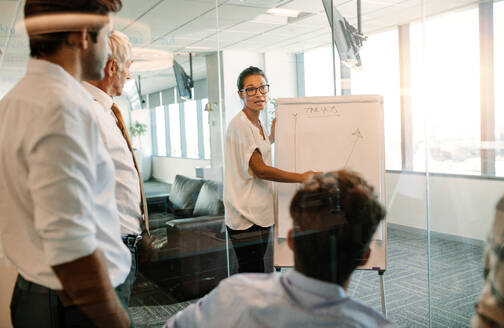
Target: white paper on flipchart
(308,131)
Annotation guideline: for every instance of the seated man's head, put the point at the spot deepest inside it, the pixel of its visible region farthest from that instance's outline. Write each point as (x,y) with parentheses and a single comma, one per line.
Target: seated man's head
(334,218)
(60,29)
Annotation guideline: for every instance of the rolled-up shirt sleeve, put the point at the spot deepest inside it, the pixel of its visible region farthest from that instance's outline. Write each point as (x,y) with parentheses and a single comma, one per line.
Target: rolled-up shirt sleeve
(243,145)
(61,180)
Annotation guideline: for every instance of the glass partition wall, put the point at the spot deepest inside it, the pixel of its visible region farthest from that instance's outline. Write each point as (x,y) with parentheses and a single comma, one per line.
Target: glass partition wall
(176,75)
(437,65)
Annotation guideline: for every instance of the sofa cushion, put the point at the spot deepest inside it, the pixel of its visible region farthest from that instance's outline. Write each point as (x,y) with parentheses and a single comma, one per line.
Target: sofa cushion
(158,220)
(184,191)
(209,200)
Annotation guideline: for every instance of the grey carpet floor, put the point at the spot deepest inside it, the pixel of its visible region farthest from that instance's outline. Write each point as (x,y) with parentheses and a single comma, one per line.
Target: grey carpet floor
(456,281)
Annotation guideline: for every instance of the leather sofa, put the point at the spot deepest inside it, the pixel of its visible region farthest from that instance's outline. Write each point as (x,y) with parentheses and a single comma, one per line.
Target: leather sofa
(189,239)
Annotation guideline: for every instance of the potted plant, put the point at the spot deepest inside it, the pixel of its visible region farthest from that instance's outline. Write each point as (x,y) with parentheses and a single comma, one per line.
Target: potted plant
(137,130)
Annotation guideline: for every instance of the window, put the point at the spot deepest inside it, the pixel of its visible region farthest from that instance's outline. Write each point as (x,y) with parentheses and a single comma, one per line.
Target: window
(191,129)
(176,145)
(160,131)
(445,93)
(182,130)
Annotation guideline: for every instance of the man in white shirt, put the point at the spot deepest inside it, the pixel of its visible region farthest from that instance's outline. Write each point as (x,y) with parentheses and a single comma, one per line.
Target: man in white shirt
(58,216)
(334,218)
(128,181)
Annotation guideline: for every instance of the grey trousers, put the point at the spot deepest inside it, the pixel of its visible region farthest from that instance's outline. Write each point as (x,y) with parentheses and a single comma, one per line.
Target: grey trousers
(124,290)
(33,305)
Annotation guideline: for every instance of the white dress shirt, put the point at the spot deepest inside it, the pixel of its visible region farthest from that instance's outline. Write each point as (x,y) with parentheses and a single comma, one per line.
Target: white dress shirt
(57,200)
(248,200)
(277,300)
(127,184)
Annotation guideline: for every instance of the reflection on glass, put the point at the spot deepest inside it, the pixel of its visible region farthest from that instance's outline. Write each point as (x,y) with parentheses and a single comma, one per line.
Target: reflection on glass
(380,75)
(130,90)
(176,146)
(143,142)
(499,86)
(160,131)
(450,99)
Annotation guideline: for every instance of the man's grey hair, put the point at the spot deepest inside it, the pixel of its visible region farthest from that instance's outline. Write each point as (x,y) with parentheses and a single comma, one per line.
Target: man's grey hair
(120,48)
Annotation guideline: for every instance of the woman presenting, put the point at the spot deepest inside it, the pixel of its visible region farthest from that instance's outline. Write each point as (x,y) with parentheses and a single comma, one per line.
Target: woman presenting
(248,193)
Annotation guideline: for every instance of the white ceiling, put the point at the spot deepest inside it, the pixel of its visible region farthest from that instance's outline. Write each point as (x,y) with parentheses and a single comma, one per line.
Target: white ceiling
(198,26)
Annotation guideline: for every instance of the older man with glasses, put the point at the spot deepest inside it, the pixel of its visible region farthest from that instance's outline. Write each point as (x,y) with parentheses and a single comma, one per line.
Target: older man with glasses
(130,198)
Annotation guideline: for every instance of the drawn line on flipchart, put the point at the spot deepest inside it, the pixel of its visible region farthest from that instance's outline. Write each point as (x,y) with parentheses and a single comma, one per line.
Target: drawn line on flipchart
(332,103)
(295,141)
(323,116)
(358,135)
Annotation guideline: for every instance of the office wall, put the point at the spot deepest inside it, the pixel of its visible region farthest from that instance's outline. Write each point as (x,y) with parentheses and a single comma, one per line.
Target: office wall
(165,168)
(280,68)
(233,62)
(459,206)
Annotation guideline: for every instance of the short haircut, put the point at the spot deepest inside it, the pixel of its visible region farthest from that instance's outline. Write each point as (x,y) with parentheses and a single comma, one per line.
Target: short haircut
(120,48)
(334,218)
(49,43)
(251,70)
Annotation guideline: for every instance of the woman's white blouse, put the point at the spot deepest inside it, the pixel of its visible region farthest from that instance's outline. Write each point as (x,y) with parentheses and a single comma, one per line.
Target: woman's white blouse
(248,200)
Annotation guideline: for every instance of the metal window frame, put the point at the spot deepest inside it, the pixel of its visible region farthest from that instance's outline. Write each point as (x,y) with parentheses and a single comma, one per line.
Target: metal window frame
(167,129)
(183,141)
(487,87)
(153,132)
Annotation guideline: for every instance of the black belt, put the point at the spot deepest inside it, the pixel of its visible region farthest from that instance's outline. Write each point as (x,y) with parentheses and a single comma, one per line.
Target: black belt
(131,240)
(32,287)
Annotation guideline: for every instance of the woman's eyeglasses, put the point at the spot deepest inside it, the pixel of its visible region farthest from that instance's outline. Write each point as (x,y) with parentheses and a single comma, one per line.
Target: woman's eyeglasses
(263,89)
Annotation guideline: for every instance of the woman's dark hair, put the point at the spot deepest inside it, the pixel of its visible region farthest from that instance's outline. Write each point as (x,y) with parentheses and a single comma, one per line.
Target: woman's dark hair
(251,70)
(49,43)
(334,218)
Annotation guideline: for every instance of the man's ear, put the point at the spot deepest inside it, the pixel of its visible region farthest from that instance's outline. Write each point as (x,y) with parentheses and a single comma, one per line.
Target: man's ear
(84,38)
(109,68)
(240,94)
(365,259)
(78,39)
(290,239)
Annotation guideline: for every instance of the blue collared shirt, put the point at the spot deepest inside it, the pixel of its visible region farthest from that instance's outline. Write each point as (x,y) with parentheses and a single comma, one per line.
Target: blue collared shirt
(277,300)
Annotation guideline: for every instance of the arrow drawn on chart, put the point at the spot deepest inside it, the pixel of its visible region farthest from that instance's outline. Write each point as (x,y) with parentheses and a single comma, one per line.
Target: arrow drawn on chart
(358,136)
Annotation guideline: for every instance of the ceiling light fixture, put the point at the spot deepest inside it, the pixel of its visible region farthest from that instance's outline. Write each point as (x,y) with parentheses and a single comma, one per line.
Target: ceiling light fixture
(147,59)
(197,48)
(283,12)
